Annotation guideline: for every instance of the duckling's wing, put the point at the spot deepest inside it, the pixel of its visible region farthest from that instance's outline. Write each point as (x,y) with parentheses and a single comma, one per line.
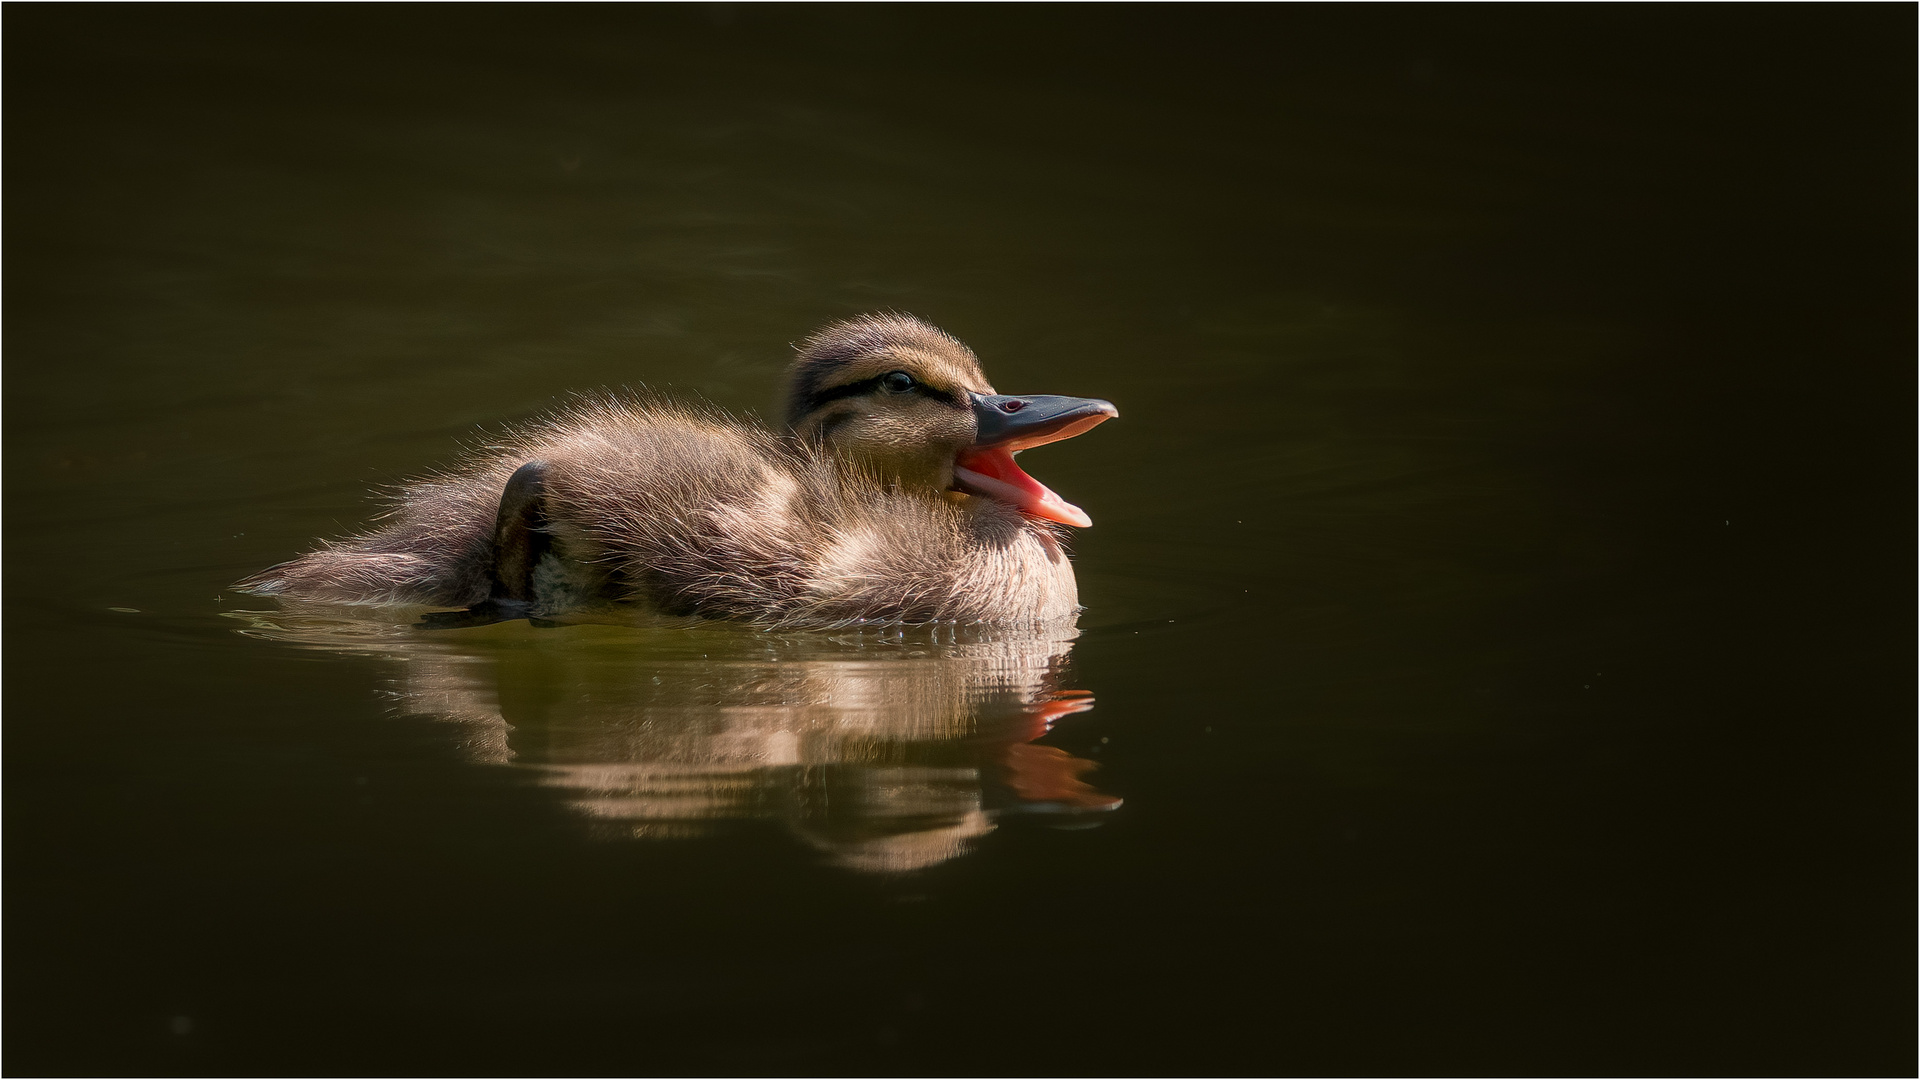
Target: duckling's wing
(521,535)
(521,538)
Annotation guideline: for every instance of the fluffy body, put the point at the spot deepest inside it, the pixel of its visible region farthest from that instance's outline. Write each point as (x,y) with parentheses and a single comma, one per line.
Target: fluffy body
(686,511)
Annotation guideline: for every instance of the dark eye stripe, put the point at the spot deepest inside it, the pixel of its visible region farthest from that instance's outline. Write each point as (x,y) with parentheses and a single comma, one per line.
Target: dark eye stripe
(835,393)
(868,386)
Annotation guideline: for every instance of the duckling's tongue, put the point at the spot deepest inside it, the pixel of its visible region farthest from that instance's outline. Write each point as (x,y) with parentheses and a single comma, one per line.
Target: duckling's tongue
(990,471)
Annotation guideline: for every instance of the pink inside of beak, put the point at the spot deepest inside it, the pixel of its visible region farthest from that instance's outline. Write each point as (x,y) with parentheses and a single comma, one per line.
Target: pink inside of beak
(992,472)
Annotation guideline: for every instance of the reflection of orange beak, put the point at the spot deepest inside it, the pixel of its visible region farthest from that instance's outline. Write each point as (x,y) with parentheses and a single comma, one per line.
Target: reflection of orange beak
(1065,703)
(1043,714)
(1007,425)
(1048,774)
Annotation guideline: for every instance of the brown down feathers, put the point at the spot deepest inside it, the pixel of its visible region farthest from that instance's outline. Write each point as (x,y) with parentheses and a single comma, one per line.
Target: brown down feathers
(687,510)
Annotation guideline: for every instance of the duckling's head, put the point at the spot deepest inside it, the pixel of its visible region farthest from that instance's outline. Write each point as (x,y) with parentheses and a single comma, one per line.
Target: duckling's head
(909,401)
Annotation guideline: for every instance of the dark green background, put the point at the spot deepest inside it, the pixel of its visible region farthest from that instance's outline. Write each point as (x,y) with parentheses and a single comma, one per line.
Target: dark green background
(1515,474)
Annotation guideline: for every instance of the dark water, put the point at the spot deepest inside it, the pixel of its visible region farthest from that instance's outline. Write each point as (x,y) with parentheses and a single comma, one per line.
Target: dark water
(1499,622)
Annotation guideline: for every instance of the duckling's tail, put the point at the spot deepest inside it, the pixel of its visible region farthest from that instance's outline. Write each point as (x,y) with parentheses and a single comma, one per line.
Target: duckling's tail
(358,572)
(436,550)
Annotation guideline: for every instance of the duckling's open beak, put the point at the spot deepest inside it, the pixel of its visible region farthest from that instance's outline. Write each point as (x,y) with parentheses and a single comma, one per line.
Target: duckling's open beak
(1009,424)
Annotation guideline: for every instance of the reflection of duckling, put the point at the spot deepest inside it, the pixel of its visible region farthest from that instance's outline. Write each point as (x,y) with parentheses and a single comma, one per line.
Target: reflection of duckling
(895,499)
(889,757)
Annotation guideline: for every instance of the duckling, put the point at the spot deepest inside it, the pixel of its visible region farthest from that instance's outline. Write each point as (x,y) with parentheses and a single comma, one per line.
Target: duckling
(892,497)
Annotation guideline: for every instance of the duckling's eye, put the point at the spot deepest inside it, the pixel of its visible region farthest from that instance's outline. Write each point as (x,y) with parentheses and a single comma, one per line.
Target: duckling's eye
(898,382)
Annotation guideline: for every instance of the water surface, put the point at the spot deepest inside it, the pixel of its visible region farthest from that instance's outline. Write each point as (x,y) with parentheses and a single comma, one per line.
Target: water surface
(1498,644)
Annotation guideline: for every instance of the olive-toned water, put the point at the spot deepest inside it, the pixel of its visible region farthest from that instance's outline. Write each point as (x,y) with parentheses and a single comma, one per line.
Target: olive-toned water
(1498,642)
